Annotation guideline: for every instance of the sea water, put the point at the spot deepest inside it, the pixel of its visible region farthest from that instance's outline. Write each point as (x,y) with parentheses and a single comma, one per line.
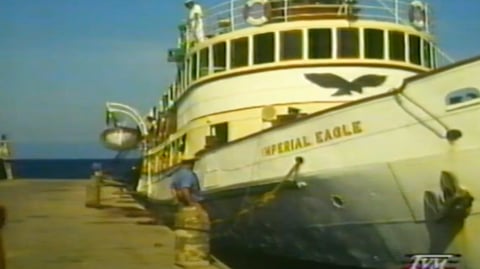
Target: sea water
(71,168)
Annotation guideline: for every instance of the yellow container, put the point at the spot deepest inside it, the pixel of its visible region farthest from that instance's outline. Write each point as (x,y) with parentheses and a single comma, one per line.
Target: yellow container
(192,218)
(192,238)
(93,194)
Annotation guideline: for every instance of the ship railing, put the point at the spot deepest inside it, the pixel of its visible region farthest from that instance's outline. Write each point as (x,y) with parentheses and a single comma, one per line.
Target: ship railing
(117,108)
(230,15)
(442,59)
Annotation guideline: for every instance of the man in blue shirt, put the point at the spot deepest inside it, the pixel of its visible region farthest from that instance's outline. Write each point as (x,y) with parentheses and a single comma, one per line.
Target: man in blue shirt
(185,185)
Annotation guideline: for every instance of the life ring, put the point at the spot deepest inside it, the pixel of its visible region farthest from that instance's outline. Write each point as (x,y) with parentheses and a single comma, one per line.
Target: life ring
(260,20)
(417,14)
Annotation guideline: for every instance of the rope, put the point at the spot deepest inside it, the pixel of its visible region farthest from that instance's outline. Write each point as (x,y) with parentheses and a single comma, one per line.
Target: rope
(266,198)
(428,113)
(253,171)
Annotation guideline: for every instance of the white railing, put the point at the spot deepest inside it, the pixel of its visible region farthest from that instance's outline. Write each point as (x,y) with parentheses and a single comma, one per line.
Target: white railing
(229,15)
(117,108)
(442,59)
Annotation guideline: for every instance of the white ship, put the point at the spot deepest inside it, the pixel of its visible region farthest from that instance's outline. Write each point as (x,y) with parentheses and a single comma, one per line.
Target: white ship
(329,131)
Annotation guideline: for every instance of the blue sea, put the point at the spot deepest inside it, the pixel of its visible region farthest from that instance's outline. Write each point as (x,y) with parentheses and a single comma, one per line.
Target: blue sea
(120,169)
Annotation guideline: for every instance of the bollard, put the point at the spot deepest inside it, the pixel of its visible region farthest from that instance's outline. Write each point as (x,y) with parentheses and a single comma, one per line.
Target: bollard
(192,240)
(93,191)
(8,170)
(3,217)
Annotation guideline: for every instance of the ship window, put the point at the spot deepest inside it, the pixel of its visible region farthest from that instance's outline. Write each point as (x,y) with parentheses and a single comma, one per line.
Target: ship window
(374,45)
(180,80)
(174,90)
(182,143)
(263,48)
(319,43)
(220,131)
(427,54)
(414,47)
(291,45)
(171,93)
(203,62)
(194,67)
(219,57)
(462,95)
(239,52)
(179,77)
(165,101)
(348,43)
(187,72)
(396,41)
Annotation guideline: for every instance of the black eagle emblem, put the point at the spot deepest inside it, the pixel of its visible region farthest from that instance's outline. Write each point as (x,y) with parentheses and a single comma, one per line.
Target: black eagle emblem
(329,80)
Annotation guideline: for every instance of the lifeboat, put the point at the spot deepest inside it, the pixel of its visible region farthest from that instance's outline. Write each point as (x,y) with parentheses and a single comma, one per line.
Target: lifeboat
(121,138)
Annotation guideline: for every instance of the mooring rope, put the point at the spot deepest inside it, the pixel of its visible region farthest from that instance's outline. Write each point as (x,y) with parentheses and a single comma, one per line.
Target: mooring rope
(266,198)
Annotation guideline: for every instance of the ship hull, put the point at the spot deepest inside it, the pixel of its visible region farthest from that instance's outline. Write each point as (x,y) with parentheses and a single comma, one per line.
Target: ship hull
(369,230)
(381,178)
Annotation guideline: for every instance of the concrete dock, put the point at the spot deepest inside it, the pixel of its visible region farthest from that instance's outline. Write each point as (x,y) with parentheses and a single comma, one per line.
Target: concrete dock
(48,226)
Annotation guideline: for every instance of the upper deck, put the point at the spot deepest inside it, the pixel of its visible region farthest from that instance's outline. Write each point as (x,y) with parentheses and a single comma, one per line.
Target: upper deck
(235,15)
(253,39)
(253,35)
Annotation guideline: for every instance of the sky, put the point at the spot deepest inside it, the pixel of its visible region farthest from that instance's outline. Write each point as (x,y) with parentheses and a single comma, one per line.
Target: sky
(61,60)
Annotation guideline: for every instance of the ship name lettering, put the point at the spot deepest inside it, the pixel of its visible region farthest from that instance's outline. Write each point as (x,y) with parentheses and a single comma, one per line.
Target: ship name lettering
(338,132)
(287,146)
(322,136)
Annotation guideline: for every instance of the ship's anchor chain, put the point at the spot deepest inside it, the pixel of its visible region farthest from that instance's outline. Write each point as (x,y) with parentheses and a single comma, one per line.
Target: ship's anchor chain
(455,203)
(269,196)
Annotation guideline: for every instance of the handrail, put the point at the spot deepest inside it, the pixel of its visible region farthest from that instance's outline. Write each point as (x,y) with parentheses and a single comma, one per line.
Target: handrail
(228,16)
(135,116)
(394,11)
(444,58)
(131,113)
